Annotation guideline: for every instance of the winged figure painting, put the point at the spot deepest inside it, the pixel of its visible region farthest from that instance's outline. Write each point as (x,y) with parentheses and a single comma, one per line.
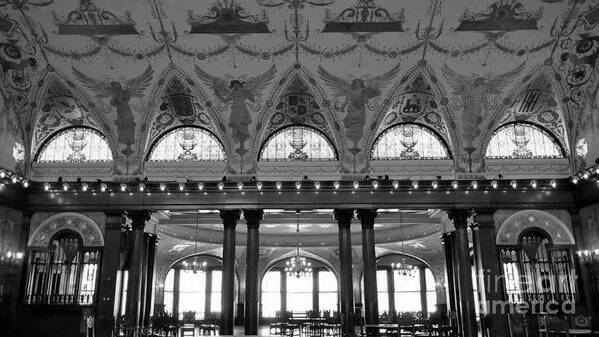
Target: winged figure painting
(120,94)
(357,92)
(236,93)
(474,92)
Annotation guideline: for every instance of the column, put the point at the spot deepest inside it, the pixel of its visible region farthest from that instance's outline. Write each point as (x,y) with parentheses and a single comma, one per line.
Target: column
(176,293)
(344,218)
(315,290)
(152,243)
(371,306)
(447,242)
(423,304)
(18,283)
(108,271)
(583,271)
(230,218)
(490,282)
(252,218)
(136,262)
(464,272)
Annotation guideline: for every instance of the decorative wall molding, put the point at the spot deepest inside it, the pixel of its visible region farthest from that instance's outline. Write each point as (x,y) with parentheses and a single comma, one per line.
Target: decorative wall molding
(413,169)
(296,170)
(72,171)
(526,168)
(170,171)
(510,229)
(86,227)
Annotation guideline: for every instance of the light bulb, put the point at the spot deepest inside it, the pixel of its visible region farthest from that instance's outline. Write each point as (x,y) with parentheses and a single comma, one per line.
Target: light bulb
(375,184)
(259,185)
(317,185)
(142,187)
(84,187)
(435,184)
(65,187)
(221,185)
(123,187)
(553,183)
(279,185)
(533,183)
(200,186)
(455,184)
(103,187)
(25,183)
(298,185)
(574,180)
(14,179)
(46,186)
(474,184)
(415,184)
(494,184)
(162,187)
(240,185)
(356,184)
(181,187)
(336,184)
(514,183)
(395,184)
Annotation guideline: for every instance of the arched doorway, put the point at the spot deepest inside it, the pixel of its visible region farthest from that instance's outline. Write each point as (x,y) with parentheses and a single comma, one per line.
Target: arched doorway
(283,294)
(192,287)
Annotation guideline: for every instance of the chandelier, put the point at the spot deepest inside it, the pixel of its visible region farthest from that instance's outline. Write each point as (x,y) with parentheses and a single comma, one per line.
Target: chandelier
(7,256)
(403,268)
(588,256)
(298,266)
(196,265)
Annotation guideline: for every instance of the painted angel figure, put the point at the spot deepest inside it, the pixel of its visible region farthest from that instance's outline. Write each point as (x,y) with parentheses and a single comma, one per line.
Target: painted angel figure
(357,93)
(120,95)
(474,92)
(236,93)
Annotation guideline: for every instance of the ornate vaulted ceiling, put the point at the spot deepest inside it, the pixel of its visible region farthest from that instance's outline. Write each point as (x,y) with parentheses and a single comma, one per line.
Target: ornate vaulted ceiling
(461,67)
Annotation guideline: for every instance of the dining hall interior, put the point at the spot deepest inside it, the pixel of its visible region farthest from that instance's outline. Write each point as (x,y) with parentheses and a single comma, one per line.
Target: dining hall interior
(299,168)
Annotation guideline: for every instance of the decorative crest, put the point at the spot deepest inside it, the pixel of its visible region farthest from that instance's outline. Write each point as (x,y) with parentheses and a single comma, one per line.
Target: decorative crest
(228,18)
(366,17)
(503,15)
(89,19)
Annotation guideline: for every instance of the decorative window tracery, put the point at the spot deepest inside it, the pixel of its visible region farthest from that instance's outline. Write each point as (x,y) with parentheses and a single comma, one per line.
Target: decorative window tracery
(187,144)
(522,141)
(76,145)
(298,143)
(409,141)
(65,273)
(536,271)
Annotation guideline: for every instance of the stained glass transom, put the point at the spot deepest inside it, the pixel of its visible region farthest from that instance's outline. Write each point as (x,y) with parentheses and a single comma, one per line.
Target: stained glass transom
(76,145)
(187,144)
(522,141)
(409,141)
(298,143)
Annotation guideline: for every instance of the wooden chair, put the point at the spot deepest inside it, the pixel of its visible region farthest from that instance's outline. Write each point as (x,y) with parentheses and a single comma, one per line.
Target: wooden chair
(188,330)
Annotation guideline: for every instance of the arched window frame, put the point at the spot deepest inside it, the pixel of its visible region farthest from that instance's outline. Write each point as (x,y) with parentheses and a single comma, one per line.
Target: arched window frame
(426,128)
(554,139)
(46,284)
(282,130)
(175,129)
(556,266)
(60,132)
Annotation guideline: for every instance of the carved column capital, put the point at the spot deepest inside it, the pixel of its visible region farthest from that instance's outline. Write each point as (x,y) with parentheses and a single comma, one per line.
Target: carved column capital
(114,220)
(459,217)
(343,217)
(230,217)
(367,217)
(253,217)
(483,218)
(138,219)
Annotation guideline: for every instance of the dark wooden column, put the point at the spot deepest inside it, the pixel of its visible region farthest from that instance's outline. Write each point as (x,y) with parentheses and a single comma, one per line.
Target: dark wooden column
(447,241)
(111,257)
(344,218)
(136,262)
(315,290)
(176,289)
(464,272)
(283,291)
(423,301)
(152,243)
(371,305)
(230,218)
(208,292)
(252,218)
(143,300)
(586,295)
(490,279)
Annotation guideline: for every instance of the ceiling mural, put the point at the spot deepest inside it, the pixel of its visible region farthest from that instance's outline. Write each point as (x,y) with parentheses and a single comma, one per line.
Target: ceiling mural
(239,60)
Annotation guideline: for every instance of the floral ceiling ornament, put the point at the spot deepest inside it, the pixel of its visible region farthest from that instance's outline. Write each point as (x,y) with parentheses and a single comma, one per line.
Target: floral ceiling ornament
(503,15)
(89,19)
(365,17)
(228,18)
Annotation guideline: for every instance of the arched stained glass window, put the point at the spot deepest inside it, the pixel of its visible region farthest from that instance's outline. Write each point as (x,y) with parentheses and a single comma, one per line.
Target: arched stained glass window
(76,145)
(299,143)
(187,144)
(522,141)
(409,141)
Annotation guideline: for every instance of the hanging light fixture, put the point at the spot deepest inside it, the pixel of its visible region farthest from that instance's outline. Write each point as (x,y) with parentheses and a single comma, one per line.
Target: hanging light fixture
(298,266)
(403,268)
(195,265)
